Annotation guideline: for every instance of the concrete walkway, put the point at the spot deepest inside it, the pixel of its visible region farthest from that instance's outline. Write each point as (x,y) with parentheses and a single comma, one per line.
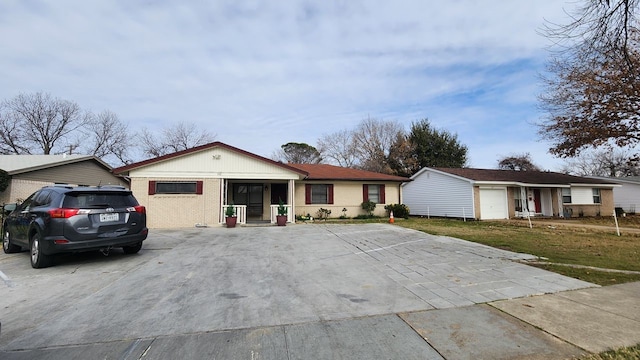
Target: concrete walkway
(307,292)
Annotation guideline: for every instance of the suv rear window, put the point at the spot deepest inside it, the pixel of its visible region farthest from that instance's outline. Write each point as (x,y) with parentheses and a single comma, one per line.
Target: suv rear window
(99,200)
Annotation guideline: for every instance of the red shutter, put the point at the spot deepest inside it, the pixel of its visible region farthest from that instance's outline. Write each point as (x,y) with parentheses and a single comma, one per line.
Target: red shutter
(330,195)
(199,187)
(307,194)
(382,199)
(365,193)
(152,187)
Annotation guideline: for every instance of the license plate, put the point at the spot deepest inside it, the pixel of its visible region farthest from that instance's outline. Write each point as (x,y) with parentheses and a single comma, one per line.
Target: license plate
(109,217)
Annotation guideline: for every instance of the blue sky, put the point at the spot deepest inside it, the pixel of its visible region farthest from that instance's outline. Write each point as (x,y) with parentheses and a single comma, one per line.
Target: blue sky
(259,74)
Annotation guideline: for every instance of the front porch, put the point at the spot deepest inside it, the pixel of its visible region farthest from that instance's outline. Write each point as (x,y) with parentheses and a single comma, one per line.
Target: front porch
(257,201)
(534,201)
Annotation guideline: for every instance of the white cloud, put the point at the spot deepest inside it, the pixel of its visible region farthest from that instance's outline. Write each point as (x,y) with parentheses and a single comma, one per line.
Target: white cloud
(260,74)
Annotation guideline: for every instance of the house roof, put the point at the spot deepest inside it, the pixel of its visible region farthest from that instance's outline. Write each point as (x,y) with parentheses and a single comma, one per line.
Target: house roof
(140,164)
(331,172)
(526,177)
(18,164)
(627,179)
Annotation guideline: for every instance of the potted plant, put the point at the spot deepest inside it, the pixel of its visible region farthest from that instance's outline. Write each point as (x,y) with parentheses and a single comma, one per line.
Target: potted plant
(281,218)
(230,216)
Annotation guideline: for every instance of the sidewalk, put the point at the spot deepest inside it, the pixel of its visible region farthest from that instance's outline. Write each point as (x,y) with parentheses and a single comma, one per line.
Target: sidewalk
(594,319)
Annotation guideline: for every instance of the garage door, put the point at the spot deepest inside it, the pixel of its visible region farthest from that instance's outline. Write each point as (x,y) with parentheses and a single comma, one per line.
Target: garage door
(493,204)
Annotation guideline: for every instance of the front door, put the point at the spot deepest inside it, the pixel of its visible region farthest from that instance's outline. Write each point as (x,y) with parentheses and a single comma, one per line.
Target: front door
(537,199)
(249,195)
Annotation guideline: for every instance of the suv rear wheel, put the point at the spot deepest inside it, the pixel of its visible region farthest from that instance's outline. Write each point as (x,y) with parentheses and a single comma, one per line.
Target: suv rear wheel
(38,259)
(7,246)
(133,249)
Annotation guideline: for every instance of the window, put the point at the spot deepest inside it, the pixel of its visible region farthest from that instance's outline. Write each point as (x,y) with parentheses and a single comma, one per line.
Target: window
(566,195)
(374,193)
(596,196)
(318,194)
(43,198)
(175,187)
(88,199)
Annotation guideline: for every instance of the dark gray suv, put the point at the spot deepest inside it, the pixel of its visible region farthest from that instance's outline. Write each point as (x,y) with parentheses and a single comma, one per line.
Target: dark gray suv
(65,219)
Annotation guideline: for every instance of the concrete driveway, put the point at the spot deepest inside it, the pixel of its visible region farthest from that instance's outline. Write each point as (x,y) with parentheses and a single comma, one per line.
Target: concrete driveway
(333,291)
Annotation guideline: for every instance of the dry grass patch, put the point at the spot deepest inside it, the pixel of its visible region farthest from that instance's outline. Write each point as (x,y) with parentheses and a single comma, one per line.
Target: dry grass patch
(626,353)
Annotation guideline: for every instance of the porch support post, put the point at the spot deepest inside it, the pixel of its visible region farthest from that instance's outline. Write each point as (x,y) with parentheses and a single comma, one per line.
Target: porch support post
(292,200)
(525,199)
(223,198)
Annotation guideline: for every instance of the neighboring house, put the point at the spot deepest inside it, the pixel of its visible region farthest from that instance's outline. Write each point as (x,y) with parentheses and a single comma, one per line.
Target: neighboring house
(31,172)
(194,187)
(501,194)
(627,196)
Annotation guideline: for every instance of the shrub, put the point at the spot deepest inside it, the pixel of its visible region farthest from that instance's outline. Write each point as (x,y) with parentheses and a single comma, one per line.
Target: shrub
(399,210)
(323,214)
(5,179)
(369,206)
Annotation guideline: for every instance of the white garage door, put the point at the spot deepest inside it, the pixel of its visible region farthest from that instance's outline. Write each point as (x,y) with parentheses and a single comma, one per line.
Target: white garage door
(493,204)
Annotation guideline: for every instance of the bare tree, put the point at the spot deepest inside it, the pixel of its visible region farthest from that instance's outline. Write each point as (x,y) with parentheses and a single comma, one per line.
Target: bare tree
(591,92)
(373,140)
(108,138)
(604,162)
(40,123)
(11,134)
(339,148)
(518,162)
(177,137)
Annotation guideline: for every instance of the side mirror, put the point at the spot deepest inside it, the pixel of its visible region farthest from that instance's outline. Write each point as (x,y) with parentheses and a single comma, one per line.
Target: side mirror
(8,208)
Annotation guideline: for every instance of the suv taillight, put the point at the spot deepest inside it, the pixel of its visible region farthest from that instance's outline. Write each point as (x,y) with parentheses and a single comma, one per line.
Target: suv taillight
(139,209)
(63,213)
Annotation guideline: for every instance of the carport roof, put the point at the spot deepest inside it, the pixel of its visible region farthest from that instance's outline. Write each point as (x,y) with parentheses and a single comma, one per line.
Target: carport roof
(18,164)
(527,177)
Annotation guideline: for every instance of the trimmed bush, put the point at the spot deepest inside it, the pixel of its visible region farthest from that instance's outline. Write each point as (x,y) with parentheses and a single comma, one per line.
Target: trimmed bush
(369,206)
(399,210)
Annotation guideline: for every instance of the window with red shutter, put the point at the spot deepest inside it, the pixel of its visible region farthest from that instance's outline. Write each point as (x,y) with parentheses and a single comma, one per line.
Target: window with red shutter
(375,193)
(318,194)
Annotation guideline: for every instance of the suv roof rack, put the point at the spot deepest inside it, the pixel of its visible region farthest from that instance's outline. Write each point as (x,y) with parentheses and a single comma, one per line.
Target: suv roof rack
(112,187)
(66,186)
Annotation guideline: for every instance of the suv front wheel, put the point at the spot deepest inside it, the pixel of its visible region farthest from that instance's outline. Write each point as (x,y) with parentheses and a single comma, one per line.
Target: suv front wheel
(7,246)
(38,259)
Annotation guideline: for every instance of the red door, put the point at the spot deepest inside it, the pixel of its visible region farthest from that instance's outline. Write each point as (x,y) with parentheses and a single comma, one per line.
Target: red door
(537,200)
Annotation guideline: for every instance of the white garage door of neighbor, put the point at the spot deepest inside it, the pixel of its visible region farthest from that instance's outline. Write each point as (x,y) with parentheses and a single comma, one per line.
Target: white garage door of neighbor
(493,204)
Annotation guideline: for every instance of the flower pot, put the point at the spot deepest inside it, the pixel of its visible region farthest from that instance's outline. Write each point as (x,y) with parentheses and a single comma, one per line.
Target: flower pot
(231,221)
(281,220)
